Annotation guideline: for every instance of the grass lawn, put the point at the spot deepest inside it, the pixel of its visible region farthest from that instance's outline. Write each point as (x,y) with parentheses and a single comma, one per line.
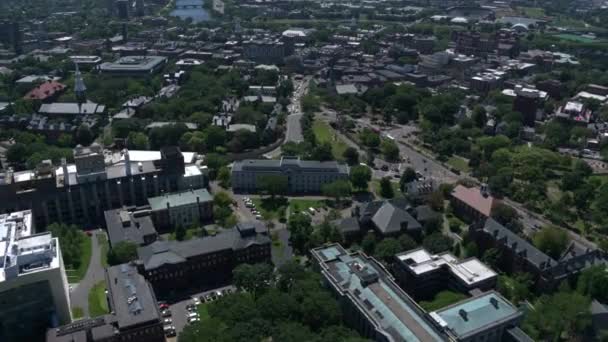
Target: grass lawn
(98,304)
(459,164)
(77,312)
(325,133)
(577,38)
(269,208)
(203,312)
(102,240)
(296,205)
(532,12)
(75,275)
(442,299)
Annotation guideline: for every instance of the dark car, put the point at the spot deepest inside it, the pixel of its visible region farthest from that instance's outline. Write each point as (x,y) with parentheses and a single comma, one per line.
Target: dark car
(166,313)
(384,168)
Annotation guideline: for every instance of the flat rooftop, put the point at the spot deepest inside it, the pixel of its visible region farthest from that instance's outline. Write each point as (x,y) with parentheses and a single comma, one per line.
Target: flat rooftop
(469,316)
(177,199)
(21,251)
(133,63)
(469,271)
(373,291)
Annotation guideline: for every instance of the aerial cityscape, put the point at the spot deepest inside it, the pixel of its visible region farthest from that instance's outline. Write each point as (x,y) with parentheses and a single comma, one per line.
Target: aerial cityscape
(303,171)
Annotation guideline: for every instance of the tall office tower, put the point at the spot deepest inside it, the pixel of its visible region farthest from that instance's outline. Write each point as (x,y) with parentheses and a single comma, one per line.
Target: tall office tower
(33,285)
(139,8)
(122,7)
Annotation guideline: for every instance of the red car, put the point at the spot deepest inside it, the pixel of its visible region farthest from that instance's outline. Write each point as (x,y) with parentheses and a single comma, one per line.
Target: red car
(163,306)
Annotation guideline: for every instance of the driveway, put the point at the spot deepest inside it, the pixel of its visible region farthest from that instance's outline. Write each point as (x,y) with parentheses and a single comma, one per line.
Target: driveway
(95,273)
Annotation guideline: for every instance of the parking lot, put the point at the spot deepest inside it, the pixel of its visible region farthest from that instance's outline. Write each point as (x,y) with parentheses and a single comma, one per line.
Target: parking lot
(186,311)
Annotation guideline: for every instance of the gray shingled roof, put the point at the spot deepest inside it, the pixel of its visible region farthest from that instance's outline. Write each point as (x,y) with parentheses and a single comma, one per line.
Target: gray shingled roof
(533,254)
(389,215)
(172,252)
(135,232)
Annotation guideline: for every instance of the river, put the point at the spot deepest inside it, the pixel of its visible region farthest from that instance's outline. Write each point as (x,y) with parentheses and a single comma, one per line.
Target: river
(197,13)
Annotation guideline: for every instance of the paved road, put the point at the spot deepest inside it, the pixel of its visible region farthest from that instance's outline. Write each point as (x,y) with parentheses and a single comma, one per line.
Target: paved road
(95,273)
(294,128)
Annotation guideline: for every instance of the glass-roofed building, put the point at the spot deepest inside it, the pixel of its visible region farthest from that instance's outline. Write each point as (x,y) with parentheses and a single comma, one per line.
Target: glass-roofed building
(373,304)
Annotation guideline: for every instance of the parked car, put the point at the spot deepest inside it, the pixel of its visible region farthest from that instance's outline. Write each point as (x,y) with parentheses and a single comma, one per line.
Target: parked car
(169,330)
(384,168)
(208,298)
(166,313)
(167,321)
(192,315)
(258,217)
(193,319)
(190,307)
(196,301)
(163,306)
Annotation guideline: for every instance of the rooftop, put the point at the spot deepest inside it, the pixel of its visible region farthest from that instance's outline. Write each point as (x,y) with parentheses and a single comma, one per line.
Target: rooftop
(469,316)
(72,108)
(21,251)
(45,90)
(128,225)
(131,296)
(469,271)
(285,163)
(134,63)
(177,199)
(475,198)
(373,291)
(160,253)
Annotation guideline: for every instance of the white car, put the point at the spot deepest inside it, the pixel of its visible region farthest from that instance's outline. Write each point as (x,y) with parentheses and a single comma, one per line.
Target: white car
(194,319)
(196,301)
(192,315)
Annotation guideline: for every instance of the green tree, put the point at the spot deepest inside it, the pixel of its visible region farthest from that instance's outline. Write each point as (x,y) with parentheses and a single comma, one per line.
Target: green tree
(409,175)
(337,189)
(564,313)
(300,228)
(71,239)
(515,288)
(491,257)
(407,243)
(437,243)
(322,152)
(369,243)
(386,249)
(369,138)
(386,188)
(17,153)
(390,150)
(224,177)
(593,282)
(254,279)
(273,185)
(122,252)
(351,156)
(360,177)
(552,241)
(138,141)
(84,136)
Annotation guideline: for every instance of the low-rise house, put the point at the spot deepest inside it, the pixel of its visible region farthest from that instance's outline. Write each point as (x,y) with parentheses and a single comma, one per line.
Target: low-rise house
(130,224)
(472,204)
(389,217)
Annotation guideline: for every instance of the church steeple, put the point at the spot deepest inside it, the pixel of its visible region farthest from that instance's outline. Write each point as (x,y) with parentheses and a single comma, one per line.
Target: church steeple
(79,87)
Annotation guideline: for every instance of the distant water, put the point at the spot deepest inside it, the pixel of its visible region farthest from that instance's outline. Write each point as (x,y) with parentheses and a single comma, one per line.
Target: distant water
(197,14)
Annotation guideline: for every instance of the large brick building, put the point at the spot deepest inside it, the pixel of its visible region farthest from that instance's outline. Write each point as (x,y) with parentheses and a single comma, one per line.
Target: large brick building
(172,266)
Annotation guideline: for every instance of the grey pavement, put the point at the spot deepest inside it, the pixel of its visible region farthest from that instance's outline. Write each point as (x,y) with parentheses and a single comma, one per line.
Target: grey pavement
(95,273)
(294,128)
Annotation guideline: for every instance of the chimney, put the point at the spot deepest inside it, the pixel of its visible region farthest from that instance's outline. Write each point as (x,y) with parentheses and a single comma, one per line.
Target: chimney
(66,175)
(127,162)
(494,302)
